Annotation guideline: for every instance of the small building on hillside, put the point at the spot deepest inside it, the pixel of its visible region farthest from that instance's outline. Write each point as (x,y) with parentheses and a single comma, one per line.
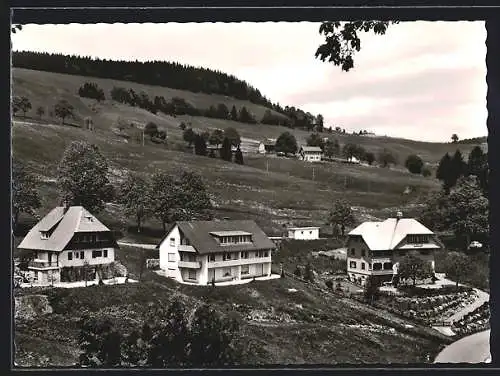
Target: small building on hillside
(202,252)
(303,233)
(375,248)
(69,244)
(310,153)
(267,146)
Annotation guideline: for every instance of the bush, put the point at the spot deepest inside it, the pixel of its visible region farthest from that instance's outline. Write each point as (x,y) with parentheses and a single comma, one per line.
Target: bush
(91,90)
(329,284)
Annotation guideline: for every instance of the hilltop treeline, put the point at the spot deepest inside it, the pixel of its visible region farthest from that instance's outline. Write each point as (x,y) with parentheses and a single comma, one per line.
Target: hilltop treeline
(172,75)
(159,73)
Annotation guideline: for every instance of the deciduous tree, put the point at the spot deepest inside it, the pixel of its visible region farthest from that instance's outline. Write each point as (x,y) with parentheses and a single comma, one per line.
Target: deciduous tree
(414,164)
(25,198)
(386,158)
(233,136)
(40,111)
(22,104)
(189,136)
(286,143)
(83,177)
(413,267)
(134,196)
(341,215)
(217,137)
(63,109)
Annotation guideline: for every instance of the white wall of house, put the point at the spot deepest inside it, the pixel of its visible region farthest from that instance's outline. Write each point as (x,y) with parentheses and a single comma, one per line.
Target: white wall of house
(262,148)
(107,256)
(169,254)
(304,233)
(311,157)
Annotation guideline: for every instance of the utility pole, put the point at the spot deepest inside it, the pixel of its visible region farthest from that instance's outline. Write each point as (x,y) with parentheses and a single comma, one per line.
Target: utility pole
(142,137)
(267,166)
(313,173)
(345,181)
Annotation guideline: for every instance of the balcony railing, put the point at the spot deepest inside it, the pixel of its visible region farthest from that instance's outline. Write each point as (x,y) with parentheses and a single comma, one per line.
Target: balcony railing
(42,264)
(190,264)
(186,248)
(240,261)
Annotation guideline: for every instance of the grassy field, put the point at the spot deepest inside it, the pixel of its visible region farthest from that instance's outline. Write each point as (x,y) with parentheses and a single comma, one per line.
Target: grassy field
(302,325)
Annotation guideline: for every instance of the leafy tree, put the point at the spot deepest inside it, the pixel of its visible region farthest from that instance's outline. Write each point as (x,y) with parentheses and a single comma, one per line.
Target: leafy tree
(169,338)
(454,138)
(342,41)
(371,289)
(238,156)
(189,136)
(200,146)
(233,136)
(352,150)
(478,166)
(455,169)
(40,111)
(151,129)
(213,339)
(414,164)
(386,158)
(99,343)
(297,272)
(63,109)
(308,273)
(226,153)
(134,196)
(468,210)
(341,215)
(234,114)
(222,111)
(286,143)
(22,104)
(413,267)
(91,90)
(443,172)
(319,123)
(163,197)
(315,140)
(456,266)
(182,126)
(82,177)
(329,284)
(332,148)
(25,197)
(369,157)
(194,197)
(217,137)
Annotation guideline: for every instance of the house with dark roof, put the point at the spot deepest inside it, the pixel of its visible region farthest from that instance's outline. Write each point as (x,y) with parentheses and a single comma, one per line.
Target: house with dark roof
(267,146)
(202,252)
(375,248)
(67,245)
(310,153)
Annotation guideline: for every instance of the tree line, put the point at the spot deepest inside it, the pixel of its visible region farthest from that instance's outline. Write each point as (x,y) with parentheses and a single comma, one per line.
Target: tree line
(168,74)
(168,337)
(61,109)
(227,140)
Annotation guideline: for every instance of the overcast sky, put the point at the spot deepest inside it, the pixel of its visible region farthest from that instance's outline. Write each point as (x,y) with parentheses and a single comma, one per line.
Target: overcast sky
(421,80)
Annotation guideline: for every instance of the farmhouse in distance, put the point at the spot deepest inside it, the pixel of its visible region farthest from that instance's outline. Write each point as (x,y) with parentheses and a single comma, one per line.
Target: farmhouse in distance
(203,252)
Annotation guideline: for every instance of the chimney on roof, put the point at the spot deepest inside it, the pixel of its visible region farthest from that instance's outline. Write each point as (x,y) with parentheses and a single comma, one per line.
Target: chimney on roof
(65,206)
(399,215)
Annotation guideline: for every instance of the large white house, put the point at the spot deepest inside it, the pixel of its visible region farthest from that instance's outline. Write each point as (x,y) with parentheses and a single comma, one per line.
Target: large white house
(68,244)
(303,233)
(202,252)
(375,248)
(310,153)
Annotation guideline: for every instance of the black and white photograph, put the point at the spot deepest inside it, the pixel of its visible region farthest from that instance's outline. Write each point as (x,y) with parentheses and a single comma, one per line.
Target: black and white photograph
(248,194)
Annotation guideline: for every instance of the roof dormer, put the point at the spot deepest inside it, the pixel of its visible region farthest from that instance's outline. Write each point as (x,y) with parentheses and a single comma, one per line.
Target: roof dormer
(44,235)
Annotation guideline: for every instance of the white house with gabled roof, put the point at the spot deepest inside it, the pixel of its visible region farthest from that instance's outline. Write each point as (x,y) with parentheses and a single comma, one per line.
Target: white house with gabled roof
(64,242)
(310,153)
(202,252)
(375,248)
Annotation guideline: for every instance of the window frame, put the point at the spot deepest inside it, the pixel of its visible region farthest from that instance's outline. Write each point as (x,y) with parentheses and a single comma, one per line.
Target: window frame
(171,257)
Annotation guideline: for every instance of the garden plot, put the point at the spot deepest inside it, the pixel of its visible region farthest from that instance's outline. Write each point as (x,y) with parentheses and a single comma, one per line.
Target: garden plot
(475,321)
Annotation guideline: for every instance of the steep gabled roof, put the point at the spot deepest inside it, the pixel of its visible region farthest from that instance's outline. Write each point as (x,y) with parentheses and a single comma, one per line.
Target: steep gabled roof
(61,227)
(388,234)
(311,149)
(199,234)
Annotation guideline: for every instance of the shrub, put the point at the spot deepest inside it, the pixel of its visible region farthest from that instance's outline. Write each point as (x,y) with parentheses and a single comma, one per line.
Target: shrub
(91,90)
